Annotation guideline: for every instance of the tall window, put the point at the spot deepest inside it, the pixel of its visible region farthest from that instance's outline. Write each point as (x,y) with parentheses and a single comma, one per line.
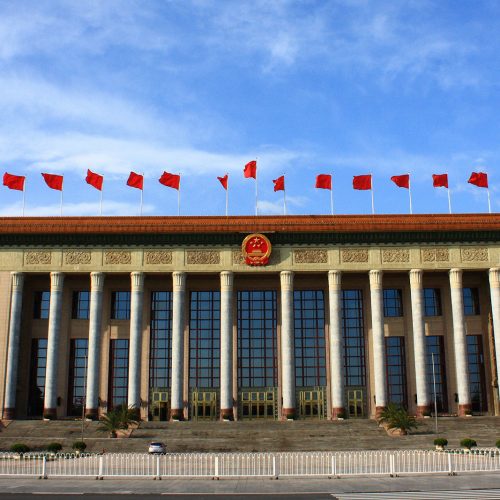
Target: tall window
(118,373)
(160,353)
(477,383)
(120,305)
(37,377)
(435,345)
(471,301)
(310,356)
(204,340)
(77,376)
(396,370)
(257,364)
(432,302)
(81,305)
(41,305)
(354,338)
(393,302)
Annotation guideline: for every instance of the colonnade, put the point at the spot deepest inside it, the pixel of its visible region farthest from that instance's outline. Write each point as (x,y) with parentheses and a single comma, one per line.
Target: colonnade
(226,341)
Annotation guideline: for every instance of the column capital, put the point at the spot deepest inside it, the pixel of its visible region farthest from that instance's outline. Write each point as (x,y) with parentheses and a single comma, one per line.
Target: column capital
(455,278)
(97,281)
(286,278)
(179,281)
(137,281)
(416,278)
(494,274)
(17,280)
(226,281)
(376,278)
(56,281)
(334,279)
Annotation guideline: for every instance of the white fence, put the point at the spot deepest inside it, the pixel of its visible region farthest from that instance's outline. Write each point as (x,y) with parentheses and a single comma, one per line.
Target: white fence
(274,465)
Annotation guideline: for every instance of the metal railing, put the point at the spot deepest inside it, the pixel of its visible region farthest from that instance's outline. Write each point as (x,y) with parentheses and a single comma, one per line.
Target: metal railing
(274,465)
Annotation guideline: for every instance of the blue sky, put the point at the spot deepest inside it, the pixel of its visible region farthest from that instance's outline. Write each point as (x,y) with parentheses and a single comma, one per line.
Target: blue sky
(201,87)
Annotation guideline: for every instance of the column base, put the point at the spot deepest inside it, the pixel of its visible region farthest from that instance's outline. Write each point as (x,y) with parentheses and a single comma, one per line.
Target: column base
(9,413)
(176,414)
(378,411)
(91,413)
(464,410)
(50,413)
(423,411)
(226,414)
(338,412)
(288,413)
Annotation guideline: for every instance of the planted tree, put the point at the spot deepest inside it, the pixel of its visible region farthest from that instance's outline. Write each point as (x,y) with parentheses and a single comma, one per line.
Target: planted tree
(396,417)
(110,423)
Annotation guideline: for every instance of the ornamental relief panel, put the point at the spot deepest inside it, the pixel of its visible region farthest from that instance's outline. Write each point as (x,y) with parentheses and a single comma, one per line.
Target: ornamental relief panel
(354,255)
(206,257)
(37,257)
(475,254)
(158,257)
(310,256)
(78,257)
(239,260)
(114,257)
(396,255)
(435,255)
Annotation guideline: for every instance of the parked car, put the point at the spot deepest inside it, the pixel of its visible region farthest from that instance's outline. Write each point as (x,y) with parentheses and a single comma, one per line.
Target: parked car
(157,448)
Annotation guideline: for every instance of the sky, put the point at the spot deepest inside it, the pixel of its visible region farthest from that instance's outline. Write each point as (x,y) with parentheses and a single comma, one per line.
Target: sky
(201,87)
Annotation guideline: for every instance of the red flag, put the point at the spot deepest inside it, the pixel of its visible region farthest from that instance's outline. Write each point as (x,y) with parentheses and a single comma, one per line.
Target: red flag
(250,169)
(440,180)
(362,182)
(94,179)
(54,181)
(223,181)
(170,180)
(279,183)
(135,180)
(479,179)
(324,181)
(402,181)
(14,181)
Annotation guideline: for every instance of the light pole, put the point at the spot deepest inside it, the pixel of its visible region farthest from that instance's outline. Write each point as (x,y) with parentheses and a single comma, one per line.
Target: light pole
(435,396)
(84,396)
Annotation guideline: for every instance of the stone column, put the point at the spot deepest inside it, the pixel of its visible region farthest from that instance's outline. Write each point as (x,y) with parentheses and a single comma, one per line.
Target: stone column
(419,349)
(55,312)
(226,345)
(376,296)
(177,385)
(495,310)
(94,351)
(460,342)
(135,348)
(287,346)
(336,344)
(16,305)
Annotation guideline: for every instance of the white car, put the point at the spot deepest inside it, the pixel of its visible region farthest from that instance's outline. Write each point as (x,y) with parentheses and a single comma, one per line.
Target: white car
(157,448)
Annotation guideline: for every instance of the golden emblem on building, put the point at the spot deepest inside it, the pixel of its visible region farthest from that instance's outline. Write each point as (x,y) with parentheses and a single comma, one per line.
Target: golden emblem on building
(256,249)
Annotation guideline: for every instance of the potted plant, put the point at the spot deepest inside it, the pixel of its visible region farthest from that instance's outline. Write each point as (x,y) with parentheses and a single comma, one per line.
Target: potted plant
(54,448)
(440,443)
(497,444)
(20,449)
(395,417)
(79,447)
(468,443)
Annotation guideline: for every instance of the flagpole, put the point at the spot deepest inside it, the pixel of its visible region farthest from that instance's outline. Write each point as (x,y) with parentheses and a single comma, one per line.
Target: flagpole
(489,201)
(284,198)
(373,201)
(61,200)
(227,194)
(179,197)
(256,188)
(24,196)
(100,203)
(449,201)
(409,193)
(142,190)
(331,199)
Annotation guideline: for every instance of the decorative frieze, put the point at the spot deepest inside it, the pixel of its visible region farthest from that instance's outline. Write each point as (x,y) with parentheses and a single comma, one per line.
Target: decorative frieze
(354,255)
(77,257)
(239,260)
(204,257)
(310,256)
(37,257)
(435,255)
(475,254)
(117,257)
(155,257)
(390,255)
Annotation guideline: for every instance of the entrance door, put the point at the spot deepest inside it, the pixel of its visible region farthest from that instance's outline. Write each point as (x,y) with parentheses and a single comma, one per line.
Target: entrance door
(355,402)
(159,406)
(258,404)
(204,405)
(312,403)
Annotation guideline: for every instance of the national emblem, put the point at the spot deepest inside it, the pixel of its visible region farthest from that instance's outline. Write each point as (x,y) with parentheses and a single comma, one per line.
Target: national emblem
(256,249)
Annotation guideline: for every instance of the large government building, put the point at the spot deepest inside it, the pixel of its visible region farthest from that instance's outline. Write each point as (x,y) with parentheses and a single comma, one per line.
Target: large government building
(249,317)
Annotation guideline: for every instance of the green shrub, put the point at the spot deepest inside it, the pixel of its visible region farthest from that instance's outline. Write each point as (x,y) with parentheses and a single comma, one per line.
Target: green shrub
(468,443)
(497,444)
(79,446)
(396,417)
(440,442)
(20,448)
(54,447)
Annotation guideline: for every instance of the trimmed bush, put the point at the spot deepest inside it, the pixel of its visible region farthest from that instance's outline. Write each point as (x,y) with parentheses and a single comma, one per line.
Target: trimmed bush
(468,443)
(54,447)
(79,446)
(20,448)
(440,442)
